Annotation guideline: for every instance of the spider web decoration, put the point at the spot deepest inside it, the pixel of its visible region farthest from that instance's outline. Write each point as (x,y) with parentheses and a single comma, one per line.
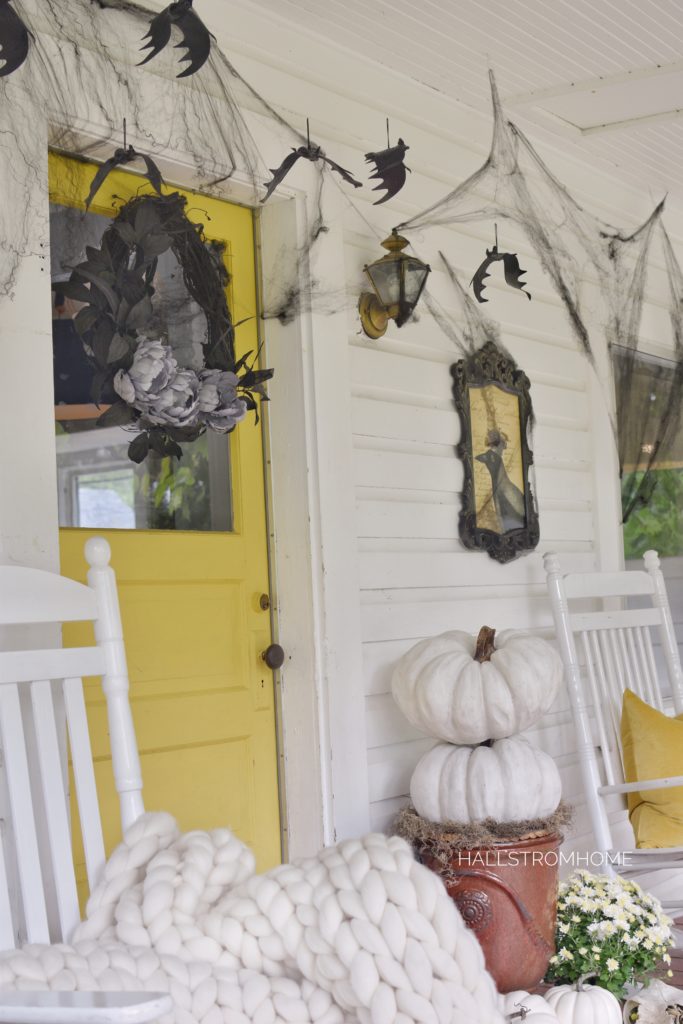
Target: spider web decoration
(575,248)
(650,410)
(81,47)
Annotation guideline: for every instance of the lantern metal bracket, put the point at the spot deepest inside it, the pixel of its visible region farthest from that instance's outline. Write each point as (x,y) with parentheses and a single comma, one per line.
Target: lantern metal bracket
(373,316)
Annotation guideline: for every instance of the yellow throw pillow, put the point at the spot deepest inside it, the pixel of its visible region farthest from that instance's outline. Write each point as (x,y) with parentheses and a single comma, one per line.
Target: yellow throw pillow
(653,749)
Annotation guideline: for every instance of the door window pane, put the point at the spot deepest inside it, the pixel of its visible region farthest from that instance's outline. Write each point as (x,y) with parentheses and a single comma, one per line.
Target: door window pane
(99,487)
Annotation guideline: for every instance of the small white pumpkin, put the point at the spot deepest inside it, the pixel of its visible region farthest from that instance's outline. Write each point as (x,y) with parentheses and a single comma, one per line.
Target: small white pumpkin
(508,781)
(463,689)
(522,1006)
(584,1004)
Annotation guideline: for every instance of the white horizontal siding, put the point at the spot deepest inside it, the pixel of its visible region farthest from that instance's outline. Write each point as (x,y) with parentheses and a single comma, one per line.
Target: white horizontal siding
(415,576)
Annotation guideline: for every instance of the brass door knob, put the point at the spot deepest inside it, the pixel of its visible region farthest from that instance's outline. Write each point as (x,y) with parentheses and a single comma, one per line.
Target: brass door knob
(274,656)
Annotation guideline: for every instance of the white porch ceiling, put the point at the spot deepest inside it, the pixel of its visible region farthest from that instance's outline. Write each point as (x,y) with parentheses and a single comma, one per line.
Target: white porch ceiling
(607,73)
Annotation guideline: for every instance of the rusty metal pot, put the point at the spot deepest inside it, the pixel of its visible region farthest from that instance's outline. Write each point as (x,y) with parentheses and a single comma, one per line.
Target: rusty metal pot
(507,895)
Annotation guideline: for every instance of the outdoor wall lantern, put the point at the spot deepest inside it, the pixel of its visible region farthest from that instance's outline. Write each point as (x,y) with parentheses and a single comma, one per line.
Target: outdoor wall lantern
(397,282)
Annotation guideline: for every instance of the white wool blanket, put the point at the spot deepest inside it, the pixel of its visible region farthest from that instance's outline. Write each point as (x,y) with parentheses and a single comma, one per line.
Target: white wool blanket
(360,933)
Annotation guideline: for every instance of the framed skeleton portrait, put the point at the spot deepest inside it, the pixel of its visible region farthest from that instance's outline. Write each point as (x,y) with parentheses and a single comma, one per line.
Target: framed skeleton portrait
(498,512)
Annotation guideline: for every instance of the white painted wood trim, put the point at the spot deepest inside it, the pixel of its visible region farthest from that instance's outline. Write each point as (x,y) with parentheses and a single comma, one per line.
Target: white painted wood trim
(342,680)
(280,230)
(322,704)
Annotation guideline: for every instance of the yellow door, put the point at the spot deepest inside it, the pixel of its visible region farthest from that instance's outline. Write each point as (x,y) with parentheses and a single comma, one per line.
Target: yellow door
(194,601)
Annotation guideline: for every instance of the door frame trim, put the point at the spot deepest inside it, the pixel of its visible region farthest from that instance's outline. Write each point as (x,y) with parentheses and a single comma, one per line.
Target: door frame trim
(322,699)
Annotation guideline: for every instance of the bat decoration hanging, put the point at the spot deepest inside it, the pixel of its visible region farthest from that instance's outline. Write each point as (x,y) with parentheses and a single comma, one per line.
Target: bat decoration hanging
(308,152)
(511,269)
(121,157)
(14,39)
(390,169)
(196,38)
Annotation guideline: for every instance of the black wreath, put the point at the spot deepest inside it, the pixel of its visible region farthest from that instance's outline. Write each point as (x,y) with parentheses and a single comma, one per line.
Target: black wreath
(115,283)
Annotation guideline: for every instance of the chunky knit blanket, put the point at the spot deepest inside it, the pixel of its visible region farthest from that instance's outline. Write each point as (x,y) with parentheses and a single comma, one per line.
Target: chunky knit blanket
(360,933)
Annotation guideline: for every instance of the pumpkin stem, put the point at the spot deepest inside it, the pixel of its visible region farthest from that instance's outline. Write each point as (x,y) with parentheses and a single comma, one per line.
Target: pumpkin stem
(485,645)
(584,977)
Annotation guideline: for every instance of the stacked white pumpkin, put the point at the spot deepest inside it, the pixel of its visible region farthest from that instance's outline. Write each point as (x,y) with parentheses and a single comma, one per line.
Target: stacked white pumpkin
(475,695)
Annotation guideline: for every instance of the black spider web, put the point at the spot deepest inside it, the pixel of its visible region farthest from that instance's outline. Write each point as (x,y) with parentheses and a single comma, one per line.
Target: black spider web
(574,248)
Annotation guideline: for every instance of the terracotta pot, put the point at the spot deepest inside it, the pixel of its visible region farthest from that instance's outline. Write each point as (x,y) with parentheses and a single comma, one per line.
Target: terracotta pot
(507,895)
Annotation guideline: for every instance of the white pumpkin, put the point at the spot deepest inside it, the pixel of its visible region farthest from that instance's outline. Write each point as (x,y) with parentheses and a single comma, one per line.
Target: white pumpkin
(584,1004)
(518,1006)
(462,689)
(508,781)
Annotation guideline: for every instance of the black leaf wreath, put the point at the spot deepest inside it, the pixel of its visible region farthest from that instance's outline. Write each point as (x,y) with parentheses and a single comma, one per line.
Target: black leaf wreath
(137,375)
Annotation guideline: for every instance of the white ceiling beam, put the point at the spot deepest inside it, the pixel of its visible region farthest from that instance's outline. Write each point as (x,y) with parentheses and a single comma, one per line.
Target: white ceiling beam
(592,84)
(633,122)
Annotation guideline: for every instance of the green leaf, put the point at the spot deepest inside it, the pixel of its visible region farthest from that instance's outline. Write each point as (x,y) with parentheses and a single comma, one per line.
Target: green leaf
(98,281)
(157,441)
(98,257)
(74,289)
(173,448)
(185,433)
(139,448)
(118,348)
(242,362)
(103,330)
(85,319)
(100,378)
(133,285)
(126,232)
(140,314)
(116,415)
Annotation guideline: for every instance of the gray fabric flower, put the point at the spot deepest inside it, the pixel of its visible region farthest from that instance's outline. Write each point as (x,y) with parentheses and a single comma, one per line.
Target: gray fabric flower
(176,404)
(219,405)
(153,367)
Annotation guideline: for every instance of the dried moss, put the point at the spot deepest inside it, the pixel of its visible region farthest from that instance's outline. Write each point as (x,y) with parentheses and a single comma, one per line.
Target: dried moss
(442,840)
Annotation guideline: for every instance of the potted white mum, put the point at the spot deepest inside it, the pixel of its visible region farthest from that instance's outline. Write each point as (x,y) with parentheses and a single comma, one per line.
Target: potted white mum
(610,929)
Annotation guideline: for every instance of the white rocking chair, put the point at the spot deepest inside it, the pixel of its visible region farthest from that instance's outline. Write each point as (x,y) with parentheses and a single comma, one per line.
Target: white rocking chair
(46,907)
(617,651)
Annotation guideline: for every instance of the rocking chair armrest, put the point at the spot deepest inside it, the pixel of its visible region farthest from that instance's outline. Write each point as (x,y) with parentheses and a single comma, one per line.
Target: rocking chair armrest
(83,1007)
(646,784)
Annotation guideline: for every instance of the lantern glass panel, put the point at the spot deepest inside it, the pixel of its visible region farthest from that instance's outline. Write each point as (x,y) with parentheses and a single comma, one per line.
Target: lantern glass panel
(414,276)
(386,280)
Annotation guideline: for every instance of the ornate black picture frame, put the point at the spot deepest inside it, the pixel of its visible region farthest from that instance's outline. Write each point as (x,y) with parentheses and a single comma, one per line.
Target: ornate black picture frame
(498,512)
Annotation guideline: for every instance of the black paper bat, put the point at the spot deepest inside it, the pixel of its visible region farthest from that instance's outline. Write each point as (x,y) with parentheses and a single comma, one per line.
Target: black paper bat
(390,170)
(309,152)
(123,156)
(196,38)
(14,39)
(511,268)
